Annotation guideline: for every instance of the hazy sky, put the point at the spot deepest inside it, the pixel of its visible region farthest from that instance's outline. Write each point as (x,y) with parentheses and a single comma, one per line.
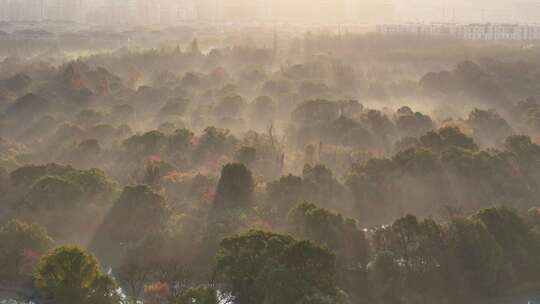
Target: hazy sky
(383,10)
(477,10)
(368,11)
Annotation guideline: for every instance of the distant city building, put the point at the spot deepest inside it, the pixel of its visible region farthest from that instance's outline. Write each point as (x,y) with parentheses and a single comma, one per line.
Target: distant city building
(170,12)
(185,10)
(486,31)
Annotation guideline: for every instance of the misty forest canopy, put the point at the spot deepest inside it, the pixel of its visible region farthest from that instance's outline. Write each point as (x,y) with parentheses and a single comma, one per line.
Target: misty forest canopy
(308,169)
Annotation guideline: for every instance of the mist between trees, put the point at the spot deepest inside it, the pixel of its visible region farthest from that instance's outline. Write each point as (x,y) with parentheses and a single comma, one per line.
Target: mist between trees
(282,168)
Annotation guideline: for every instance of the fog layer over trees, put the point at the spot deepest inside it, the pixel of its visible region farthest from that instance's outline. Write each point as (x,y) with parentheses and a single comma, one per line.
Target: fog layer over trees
(281,168)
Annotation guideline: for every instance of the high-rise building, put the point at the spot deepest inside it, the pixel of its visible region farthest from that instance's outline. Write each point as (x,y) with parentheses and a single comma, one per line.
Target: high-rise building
(185,10)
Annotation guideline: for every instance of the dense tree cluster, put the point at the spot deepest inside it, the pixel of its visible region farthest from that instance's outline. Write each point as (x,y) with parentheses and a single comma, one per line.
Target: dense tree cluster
(265,175)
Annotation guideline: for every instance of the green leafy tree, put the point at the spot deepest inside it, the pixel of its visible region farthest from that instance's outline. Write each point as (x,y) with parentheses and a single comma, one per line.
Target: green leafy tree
(369,184)
(200,295)
(64,200)
(533,220)
(180,141)
(263,267)
(490,129)
(70,275)
(93,183)
(104,291)
(19,243)
(417,162)
(262,111)
(235,188)
(381,127)
(447,137)
(320,186)
(386,278)
(134,272)
(151,261)
(414,124)
(283,194)
(479,256)
(51,192)
(26,176)
(246,155)
(525,153)
(332,230)
(214,143)
(421,249)
(520,249)
(136,213)
(148,143)
(49,201)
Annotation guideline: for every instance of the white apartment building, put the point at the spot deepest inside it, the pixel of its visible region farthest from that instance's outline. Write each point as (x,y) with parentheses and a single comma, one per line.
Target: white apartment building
(486,31)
